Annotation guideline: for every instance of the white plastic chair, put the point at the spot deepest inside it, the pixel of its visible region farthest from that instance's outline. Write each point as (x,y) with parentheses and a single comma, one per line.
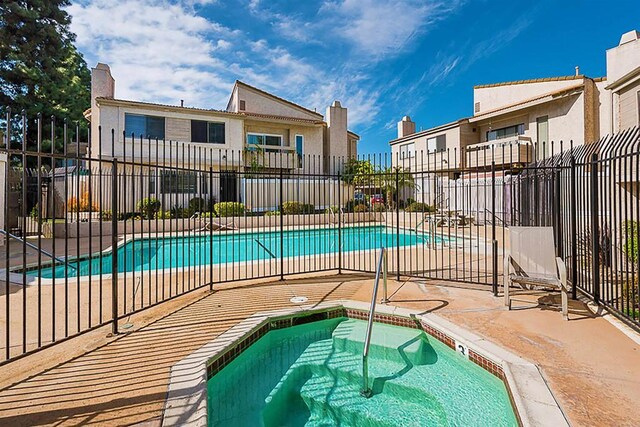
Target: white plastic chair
(531,263)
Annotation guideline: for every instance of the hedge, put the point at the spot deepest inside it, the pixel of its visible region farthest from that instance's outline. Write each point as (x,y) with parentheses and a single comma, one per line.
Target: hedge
(291,208)
(419,207)
(229,208)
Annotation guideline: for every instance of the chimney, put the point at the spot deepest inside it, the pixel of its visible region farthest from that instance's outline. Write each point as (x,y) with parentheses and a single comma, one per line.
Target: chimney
(182,102)
(577,70)
(406,127)
(337,141)
(102,83)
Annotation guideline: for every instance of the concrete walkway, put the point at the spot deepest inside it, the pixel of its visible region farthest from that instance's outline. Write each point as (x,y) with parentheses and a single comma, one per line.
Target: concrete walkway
(591,366)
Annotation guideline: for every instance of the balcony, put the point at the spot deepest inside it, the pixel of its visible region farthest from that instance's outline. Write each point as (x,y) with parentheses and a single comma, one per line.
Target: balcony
(504,152)
(270,157)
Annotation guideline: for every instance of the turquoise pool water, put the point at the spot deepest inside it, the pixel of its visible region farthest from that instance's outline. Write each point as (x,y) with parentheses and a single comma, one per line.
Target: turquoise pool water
(219,248)
(311,375)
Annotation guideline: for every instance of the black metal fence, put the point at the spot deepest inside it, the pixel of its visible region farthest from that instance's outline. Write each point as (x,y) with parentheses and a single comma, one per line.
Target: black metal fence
(92,237)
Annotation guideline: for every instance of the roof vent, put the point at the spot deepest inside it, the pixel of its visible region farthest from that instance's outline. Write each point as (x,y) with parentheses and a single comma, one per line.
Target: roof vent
(577,70)
(629,37)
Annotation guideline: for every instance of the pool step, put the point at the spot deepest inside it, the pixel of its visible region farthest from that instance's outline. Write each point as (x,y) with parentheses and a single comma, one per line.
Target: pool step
(388,342)
(337,397)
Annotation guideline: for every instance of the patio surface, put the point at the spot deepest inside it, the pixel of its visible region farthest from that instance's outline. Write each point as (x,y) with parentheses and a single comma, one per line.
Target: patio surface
(591,366)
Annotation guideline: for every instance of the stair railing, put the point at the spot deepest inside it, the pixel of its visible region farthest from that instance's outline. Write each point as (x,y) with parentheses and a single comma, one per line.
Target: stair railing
(382,268)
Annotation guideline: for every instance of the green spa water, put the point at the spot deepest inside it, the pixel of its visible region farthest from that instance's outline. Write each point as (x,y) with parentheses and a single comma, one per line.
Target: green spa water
(311,375)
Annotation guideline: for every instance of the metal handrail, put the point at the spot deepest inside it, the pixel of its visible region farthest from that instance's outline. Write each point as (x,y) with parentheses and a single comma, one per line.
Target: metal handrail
(382,266)
(265,248)
(32,246)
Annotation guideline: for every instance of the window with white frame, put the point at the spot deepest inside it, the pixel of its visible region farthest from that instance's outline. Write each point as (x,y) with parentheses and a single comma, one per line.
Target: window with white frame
(437,144)
(140,125)
(505,132)
(407,151)
(209,132)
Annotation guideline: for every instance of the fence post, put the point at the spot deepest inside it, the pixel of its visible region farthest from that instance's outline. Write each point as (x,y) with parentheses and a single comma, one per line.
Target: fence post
(558,211)
(595,233)
(114,246)
(210,228)
(281,208)
(339,224)
(494,242)
(398,223)
(574,231)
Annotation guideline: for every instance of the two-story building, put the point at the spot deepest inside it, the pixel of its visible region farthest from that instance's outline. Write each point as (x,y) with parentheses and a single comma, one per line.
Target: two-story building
(514,123)
(257,131)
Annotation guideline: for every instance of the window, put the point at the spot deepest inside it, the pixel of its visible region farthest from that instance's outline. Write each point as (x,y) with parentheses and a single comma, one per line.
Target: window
(437,144)
(407,151)
(264,141)
(243,105)
(145,126)
(299,149)
(505,132)
(476,107)
(209,132)
(178,182)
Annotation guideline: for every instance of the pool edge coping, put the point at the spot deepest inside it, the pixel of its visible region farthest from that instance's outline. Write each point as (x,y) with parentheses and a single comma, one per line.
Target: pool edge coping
(534,403)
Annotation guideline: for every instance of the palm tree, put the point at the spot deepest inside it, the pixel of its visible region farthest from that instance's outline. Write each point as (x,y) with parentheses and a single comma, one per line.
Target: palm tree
(387,182)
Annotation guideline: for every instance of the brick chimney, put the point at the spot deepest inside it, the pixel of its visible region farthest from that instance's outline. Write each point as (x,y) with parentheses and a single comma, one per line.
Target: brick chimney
(406,127)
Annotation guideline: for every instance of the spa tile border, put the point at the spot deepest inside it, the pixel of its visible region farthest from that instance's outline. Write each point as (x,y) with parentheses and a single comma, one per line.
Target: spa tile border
(186,401)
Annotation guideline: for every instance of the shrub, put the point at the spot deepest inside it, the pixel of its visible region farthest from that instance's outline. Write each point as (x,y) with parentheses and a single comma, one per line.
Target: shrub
(148,207)
(410,201)
(351,204)
(292,208)
(378,207)
(229,208)
(106,215)
(179,212)
(631,240)
(83,205)
(332,209)
(272,213)
(360,208)
(34,212)
(163,215)
(419,207)
(197,204)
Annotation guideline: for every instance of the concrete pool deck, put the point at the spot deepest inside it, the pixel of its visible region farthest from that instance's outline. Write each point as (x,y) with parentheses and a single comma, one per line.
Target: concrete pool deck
(591,367)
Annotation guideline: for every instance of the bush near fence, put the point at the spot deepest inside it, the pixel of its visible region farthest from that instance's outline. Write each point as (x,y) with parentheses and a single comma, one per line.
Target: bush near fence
(293,208)
(229,209)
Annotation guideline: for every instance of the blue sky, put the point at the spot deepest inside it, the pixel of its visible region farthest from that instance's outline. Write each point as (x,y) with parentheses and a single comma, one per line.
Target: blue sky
(381,58)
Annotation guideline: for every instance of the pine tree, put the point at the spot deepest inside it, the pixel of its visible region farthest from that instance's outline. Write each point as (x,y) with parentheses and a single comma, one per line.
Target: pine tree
(41,71)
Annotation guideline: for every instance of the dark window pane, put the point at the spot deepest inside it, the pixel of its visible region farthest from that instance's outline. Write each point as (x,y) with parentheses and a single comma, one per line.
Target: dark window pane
(216,133)
(155,127)
(198,131)
(273,140)
(135,124)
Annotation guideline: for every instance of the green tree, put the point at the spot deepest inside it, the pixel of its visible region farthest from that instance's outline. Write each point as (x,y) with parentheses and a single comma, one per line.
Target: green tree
(358,172)
(387,182)
(41,71)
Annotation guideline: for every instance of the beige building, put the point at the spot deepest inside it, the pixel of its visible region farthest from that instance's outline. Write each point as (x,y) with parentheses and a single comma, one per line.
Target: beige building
(517,122)
(257,132)
(256,128)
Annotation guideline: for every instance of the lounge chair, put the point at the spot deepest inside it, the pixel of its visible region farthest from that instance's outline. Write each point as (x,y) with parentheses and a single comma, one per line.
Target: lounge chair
(216,226)
(531,263)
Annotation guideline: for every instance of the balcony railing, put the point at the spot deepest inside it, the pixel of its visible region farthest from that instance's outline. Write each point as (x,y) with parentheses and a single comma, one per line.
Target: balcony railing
(505,151)
(270,157)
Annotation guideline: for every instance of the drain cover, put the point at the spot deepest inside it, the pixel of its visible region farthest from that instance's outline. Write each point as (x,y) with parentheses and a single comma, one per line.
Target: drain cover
(299,300)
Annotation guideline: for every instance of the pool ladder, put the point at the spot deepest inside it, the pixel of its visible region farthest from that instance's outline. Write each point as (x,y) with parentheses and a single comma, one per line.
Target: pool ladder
(381,268)
(36,248)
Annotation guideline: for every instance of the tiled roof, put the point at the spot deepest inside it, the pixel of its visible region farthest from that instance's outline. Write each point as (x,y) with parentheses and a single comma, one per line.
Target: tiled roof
(155,104)
(274,117)
(519,82)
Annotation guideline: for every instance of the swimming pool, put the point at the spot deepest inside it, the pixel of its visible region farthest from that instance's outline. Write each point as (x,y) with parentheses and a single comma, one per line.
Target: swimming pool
(311,375)
(233,247)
